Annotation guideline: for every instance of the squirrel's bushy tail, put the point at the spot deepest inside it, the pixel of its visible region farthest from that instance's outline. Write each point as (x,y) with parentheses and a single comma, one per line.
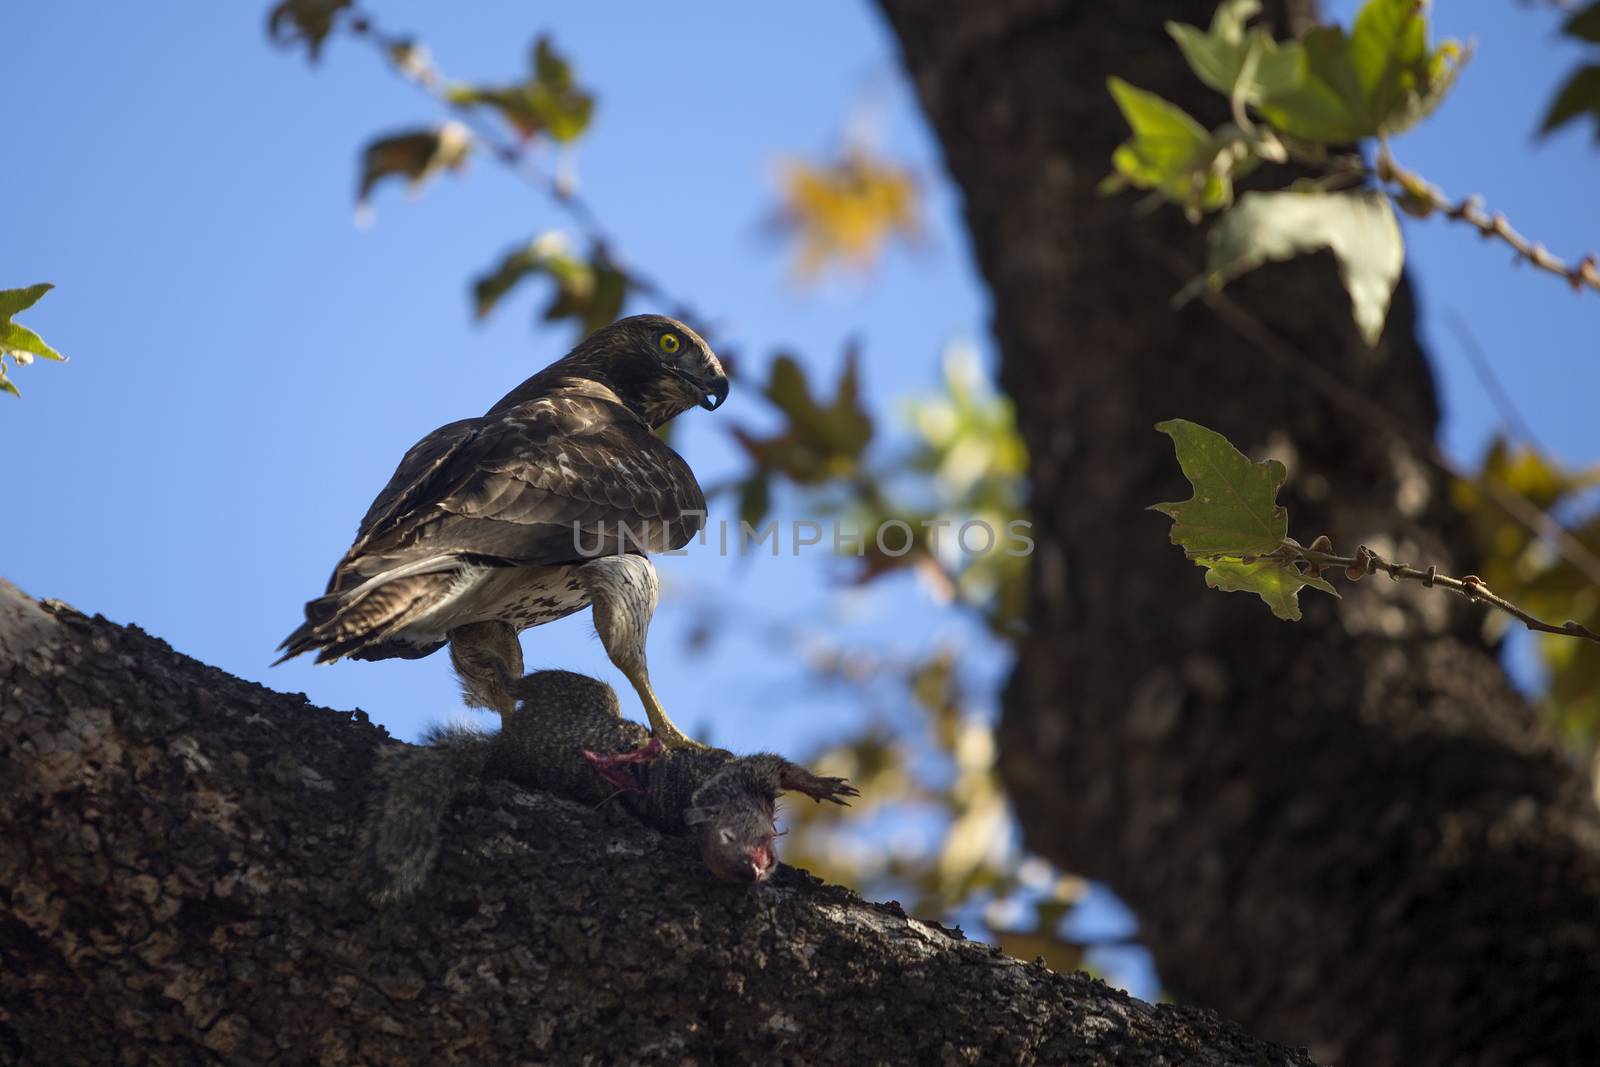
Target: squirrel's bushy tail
(413,789)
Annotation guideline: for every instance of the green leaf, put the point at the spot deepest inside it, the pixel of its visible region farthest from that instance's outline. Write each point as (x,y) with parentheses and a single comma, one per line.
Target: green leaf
(590,291)
(15,300)
(550,68)
(1165,138)
(593,296)
(1278,68)
(755,498)
(1274,581)
(494,284)
(1324,103)
(1360,228)
(1509,553)
(1515,563)
(1443,67)
(18,342)
(1170,152)
(1401,79)
(415,155)
(821,439)
(1234,519)
(549,102)
(1212,61)
(1388,50)
(1585,24)
(1227,22)
(1381,78)
(840,428)
(304,20)
(1218,57)
(1234,510)
(16,338)
(1579,96)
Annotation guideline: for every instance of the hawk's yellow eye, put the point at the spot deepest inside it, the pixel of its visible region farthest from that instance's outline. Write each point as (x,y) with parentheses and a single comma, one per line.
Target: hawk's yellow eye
(670,344)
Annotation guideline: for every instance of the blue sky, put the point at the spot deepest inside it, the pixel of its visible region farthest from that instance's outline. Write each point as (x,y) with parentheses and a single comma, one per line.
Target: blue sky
(248,365)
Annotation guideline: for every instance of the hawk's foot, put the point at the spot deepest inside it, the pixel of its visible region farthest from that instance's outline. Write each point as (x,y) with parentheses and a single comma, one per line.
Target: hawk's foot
(487,658)
(662,728)
(663,731)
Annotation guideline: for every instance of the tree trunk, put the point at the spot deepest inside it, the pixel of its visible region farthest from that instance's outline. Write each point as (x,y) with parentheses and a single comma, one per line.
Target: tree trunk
(1347,832)
(175,888)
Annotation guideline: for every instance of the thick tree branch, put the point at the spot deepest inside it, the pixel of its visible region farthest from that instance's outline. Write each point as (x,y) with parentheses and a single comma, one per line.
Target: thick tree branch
(174,889)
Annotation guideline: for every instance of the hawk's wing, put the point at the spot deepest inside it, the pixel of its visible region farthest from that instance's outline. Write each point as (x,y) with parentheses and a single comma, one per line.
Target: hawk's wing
(549,481)
(415,470)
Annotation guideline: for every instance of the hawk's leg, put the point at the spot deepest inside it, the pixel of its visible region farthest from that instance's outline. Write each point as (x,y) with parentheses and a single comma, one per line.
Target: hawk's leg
(624,590)
(487,657)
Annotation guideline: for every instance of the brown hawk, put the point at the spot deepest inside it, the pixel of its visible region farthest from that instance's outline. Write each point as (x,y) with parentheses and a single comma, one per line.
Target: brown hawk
(548,503)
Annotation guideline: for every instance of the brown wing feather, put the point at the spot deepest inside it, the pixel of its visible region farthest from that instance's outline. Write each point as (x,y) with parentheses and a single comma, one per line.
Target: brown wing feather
(514,488)
(411,479)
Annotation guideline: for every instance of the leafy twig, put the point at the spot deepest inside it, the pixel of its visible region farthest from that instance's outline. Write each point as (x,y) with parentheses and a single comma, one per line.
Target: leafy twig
(1532,517)
(1249,326)
(1366,561)
(411,61)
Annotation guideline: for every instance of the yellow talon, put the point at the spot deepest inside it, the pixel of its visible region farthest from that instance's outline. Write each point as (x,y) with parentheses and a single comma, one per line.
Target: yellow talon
(661,727)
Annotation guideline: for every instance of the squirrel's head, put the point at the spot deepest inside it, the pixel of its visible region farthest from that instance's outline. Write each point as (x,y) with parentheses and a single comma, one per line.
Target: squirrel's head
(737,843)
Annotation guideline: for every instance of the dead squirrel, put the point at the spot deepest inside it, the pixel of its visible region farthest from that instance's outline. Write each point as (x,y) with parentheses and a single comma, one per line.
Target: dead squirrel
(567,736)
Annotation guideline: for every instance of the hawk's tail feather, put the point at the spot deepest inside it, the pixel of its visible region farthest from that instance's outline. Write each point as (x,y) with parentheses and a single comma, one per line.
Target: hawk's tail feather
(344,624)
(296,643)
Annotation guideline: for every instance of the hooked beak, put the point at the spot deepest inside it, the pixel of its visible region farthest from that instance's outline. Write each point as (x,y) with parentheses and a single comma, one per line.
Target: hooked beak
(713,391)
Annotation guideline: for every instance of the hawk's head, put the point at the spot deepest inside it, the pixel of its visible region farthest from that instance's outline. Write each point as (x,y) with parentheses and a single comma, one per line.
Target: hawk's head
(658,366)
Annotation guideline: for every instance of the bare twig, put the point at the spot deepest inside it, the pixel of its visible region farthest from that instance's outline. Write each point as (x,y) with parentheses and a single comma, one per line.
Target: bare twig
(1415,195)
(1366,561)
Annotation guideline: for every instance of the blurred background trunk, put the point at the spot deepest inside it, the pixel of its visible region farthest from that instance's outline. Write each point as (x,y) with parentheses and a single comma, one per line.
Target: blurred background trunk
(1348,833)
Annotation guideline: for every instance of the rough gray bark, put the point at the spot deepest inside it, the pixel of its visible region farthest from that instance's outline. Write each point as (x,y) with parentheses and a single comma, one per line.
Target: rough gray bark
(174,889)
(1348,830)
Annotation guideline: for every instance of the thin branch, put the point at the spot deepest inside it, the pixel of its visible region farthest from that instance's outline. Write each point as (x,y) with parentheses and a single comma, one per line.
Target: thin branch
(1418,197)
(1414,195)
(1366,561)
(1491,381)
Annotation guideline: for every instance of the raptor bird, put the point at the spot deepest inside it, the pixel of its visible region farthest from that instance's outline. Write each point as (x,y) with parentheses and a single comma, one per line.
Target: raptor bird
(548,503)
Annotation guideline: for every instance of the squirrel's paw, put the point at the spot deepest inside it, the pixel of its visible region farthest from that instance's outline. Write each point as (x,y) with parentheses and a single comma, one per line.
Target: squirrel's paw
(797,779)
(614,768)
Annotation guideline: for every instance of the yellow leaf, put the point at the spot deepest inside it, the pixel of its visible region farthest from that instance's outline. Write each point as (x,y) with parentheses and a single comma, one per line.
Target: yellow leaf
(844,212)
